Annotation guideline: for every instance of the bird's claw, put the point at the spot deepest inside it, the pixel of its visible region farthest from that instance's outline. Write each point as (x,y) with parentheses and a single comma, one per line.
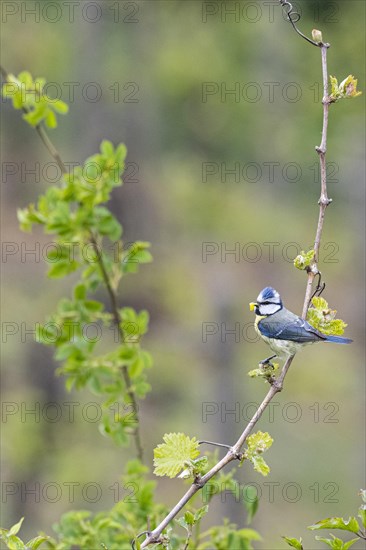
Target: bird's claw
(267,363)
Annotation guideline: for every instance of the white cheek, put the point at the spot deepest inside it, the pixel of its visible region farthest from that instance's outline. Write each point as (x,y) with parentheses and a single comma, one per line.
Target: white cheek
(269,309)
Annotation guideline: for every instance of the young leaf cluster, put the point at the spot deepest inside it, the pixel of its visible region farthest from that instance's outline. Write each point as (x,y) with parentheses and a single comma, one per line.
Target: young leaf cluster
(347,89)
(257,444)
(13,542)
(304,260)
(28,94)
(321,317)
(350,525)
(265,371)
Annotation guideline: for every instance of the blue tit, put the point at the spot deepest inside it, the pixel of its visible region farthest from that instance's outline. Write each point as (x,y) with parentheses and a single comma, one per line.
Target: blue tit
(282,330)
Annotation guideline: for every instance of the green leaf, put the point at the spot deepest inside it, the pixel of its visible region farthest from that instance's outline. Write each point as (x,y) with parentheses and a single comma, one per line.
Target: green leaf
(294,543)
(121,153)
(136,368)
(62,268)
(136,254)
(335,94)
(251,502)
(201,512)
(26,78)
(106,148)
(23,218)
(110,227)
(171,456)
(15,543)
(260,465)
(93,305)
(362,515)
(50,119)
(36,542)
(16,528)
(189,518)
(337,523)
(60,107)
(259,442)
(249,534)
(336,543)
(322,318)
(80,292)
(35,116)
(346,89)
(182,522)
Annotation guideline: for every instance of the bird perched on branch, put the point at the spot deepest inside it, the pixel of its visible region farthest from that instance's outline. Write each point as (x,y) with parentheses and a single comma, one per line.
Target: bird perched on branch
(282,330)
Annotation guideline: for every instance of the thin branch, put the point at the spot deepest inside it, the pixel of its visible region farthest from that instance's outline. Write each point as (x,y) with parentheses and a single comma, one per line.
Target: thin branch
(49,145)
(324,200)
(293,17)
(112,295)
(118,323)
(234,452)
(40,130)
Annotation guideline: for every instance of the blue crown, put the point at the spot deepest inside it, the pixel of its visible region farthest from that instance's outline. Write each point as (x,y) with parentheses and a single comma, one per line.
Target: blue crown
(269,294)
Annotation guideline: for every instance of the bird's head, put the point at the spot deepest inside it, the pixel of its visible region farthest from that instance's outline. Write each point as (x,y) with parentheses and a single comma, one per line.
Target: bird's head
(268,302)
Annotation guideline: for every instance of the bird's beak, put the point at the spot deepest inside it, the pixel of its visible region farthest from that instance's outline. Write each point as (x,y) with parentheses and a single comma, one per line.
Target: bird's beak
(252,306)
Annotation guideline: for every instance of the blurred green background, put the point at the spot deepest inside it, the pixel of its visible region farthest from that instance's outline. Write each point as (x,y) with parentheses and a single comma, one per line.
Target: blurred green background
(157,76)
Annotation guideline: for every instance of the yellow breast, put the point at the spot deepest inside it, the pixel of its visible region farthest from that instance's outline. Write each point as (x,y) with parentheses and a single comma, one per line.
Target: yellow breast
(257,319)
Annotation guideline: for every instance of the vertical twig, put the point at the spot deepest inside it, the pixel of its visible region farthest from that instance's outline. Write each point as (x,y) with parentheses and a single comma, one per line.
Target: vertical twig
(234,452)
(324,200)
(118,323)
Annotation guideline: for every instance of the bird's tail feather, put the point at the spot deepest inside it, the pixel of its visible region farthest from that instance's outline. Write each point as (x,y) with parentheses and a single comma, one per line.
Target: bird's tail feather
(338,340)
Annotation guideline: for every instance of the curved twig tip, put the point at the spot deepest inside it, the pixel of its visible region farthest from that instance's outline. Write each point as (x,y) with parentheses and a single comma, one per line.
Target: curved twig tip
(294,17)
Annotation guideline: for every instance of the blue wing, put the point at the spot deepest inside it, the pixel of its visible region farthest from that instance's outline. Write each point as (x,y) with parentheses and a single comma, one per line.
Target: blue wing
(285,325)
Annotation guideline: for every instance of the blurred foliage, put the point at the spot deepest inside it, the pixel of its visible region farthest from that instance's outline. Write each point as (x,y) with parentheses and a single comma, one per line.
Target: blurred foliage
(173,139)
(351,525)
(71,212)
